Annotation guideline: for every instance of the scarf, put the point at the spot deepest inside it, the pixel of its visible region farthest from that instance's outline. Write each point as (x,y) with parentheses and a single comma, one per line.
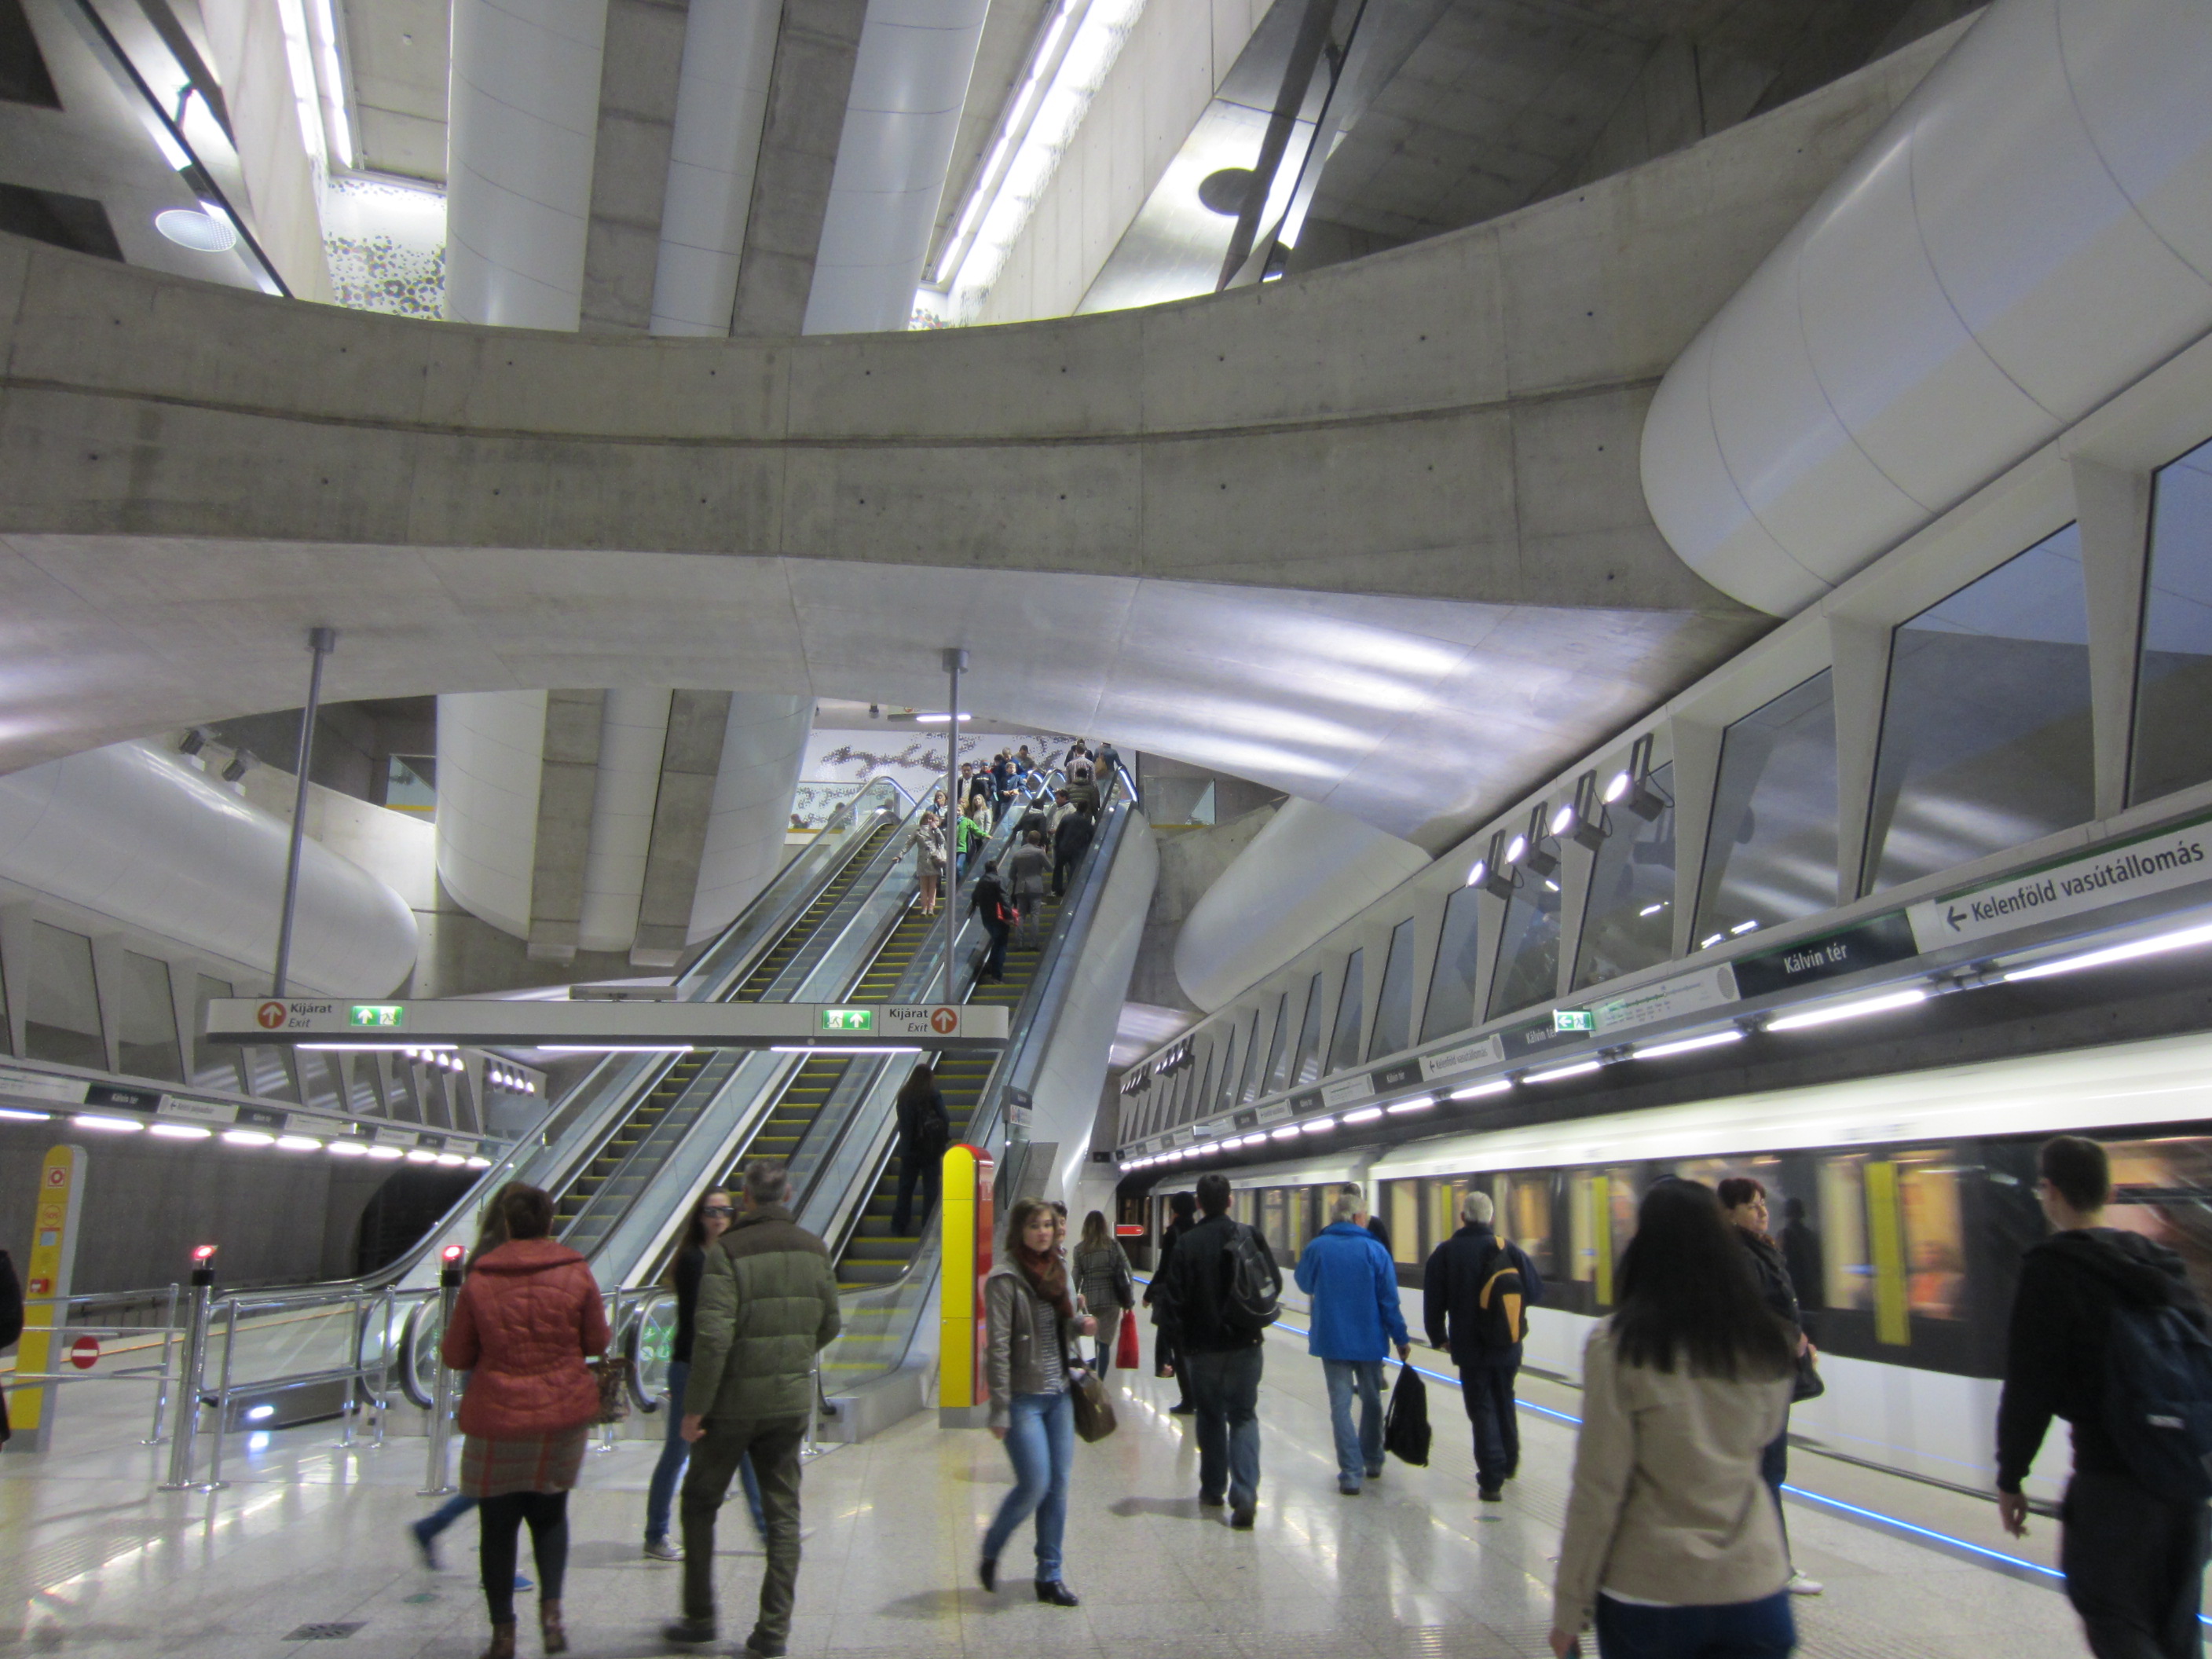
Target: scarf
(1047,1275)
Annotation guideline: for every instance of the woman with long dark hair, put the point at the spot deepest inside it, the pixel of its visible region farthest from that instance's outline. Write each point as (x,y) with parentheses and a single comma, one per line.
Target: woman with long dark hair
(709,1220)
(1672,1545)
(1743,1203)
(1030,1327)
(528,1316)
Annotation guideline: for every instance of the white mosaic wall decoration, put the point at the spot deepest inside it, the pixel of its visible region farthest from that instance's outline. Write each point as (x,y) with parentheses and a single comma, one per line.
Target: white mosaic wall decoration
(387,246)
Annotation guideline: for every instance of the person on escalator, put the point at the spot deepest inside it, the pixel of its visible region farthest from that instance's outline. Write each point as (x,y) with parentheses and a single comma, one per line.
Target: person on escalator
(929,861)
(709,1220)
(974,829)
(924,1132)
(1068,845)
(989,899)
(1025,871)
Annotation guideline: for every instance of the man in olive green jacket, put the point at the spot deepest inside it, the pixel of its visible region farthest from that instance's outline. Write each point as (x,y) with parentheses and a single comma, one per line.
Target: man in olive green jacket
(767,1304)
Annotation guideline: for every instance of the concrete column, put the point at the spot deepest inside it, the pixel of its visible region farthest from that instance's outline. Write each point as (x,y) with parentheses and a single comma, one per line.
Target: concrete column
(697,723)
(643,67)
(722,103)
(2112,506)
(490,750)
(569,780)
(633,737)
(763,748)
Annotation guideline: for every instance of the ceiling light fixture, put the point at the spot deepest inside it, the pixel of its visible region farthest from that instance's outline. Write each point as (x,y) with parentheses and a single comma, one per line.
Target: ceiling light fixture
(1493,872)
(12,1116)
(1580,1069)
(1418,1104)
(180,1130)
(249,1137)
(1320,1126)
(939,719)
(298,1143)
(1633,787)
(1834,1012)
(1364,1115)
(1583,818)
(1477,1091)
(1288,1132)
(2132,951)
(202,229)
(1687,1045)
(349,1149)
(1533,857)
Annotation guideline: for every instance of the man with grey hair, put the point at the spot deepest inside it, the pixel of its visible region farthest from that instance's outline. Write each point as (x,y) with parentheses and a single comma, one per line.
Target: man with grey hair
(767,1304)
(1477,1290)
(1353,1285)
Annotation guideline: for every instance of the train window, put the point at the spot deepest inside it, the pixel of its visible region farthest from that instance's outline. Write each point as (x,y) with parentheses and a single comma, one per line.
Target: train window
(1528,943)
(1850,1277)
(2173,741)
(1444,1209)
(2163,1190)
(1393,1005)
(1451,985)
(1344,1042)
(1273,1221)
(1601,1220)
(1979,684)
(1526,1219)
(1403,1218)
(1935,1235)
(1770,852)
(1307,1066)
(1630,920)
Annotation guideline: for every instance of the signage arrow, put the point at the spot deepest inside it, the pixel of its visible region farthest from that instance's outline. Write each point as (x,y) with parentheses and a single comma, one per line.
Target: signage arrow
(1954,915)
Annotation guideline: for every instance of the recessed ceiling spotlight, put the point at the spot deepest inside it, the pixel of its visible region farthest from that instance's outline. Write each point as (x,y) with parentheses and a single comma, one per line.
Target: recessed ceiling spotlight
(200,231)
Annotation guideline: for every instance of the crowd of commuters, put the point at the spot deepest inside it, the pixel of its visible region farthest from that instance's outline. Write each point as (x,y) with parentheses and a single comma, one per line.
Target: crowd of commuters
(1673,1545)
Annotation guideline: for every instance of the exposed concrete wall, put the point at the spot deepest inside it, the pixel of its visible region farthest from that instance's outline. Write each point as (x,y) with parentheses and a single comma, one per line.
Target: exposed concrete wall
(247,38)
(1191,861)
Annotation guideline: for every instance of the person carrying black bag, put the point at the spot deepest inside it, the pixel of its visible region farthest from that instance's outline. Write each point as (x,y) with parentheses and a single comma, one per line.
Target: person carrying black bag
(1743,1201)
(1182,1210)
(1218,1295)
(924,1132)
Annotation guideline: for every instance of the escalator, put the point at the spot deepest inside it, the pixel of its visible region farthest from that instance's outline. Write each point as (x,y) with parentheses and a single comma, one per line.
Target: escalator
(817,924)
(874,1254)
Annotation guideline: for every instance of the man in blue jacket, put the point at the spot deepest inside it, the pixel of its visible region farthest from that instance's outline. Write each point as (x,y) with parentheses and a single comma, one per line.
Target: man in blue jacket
(1353,1285)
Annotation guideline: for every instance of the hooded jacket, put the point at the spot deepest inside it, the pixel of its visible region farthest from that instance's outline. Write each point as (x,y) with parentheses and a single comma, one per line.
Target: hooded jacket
(2061,1320)
(767,1304)
(528,1314)
(1018,1324)
(1353,1285)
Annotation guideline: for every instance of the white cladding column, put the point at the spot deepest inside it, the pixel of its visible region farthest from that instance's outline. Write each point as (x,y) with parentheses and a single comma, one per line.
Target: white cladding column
(632,733)
(2030,233)
(491,758)
(132,833)
(762,749)
(909,83)
(523,130)
(1307,872)
(722,103)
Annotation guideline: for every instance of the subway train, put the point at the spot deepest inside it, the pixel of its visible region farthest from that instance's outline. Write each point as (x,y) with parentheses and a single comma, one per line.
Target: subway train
(1904,1203)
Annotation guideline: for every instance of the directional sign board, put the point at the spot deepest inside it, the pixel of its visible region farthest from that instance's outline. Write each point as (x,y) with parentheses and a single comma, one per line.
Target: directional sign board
(606,1024)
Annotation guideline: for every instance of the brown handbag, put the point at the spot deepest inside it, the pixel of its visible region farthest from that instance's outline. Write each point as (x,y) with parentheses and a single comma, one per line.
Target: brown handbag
(613,1371)
(1094,1411)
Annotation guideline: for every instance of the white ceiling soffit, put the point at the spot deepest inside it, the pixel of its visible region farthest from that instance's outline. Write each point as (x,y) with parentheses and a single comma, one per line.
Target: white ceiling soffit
(909,84)
(1417,716)
(2029,234)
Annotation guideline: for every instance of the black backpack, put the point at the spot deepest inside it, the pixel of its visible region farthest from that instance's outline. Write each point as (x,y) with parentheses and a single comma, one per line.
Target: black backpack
(1502,1302)
(1251,1284)
(2157,1400)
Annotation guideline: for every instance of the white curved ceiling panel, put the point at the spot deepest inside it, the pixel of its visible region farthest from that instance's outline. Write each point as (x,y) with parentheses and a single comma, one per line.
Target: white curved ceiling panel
(491,765)
(1990,268)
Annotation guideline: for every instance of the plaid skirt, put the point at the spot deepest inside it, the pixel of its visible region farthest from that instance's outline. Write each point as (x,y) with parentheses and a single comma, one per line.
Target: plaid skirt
(543,1463)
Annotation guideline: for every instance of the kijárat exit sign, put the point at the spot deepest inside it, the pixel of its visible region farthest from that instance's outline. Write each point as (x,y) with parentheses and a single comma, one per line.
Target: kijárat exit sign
(379,1016)
(1573,1019)
(850,1021)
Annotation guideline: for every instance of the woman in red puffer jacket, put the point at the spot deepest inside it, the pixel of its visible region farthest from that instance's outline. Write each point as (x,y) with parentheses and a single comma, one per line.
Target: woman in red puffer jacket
(528,1316)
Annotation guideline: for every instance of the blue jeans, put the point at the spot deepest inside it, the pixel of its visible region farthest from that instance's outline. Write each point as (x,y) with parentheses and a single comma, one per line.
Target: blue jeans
(1361,1453)
(1224,1397)
(1486,1391)
(1041,1440)
(661,1496)
(1734,1630)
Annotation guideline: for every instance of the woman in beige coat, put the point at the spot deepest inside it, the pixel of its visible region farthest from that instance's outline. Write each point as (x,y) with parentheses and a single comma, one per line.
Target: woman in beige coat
(1672,1545)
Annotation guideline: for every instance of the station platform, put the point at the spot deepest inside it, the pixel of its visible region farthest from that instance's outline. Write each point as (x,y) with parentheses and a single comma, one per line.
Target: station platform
(93,1561)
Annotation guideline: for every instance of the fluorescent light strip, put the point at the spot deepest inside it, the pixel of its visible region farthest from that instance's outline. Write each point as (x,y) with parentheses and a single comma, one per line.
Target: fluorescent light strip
(939,719)
(298,1143)
(249,1137)
(349,1149)
(2155,946)
(1364,1115)
(1835,1012)
(1477,1091)
(1288,1132)
(385,1154)
(1418,1104)
(121,1125)
(1580,1069)
(619,1048)
(1688,1045)
(180,1130)
(1320,1126)
(13,1115)
(838,1048)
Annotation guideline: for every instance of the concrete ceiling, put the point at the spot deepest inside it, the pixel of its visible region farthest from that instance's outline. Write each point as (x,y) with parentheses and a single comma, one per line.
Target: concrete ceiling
(1500,103)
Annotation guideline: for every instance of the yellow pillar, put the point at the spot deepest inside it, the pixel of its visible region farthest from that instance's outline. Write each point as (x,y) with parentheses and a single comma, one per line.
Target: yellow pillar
(53,1253)
(963,1395)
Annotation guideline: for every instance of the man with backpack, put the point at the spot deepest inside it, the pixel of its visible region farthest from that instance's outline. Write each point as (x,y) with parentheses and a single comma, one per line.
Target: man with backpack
(1353,1285)
(989,899)
(1222,1291)
(1477,1291)
(2107,1334)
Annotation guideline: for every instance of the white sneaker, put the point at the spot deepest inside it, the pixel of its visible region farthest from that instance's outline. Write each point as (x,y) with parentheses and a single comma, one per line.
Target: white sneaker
(663,1549)
(1800,1585)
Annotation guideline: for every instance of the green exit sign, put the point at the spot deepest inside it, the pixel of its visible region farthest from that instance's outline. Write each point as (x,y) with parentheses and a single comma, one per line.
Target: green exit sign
(385,1016)
(849,1020)
(1573,1019)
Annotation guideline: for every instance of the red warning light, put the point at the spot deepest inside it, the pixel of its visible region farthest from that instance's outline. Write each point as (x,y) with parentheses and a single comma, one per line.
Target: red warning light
(453,1253)
(203,1253)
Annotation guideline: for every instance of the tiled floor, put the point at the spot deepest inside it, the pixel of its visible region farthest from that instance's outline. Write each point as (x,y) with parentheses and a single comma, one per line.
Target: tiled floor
(94,1562)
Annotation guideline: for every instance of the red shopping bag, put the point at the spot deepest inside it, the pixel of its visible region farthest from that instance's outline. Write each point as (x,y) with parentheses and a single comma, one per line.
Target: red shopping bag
(1125,1357)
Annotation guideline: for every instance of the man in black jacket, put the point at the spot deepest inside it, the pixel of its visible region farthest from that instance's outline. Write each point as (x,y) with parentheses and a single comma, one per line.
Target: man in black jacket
(2134,1561)
(1183,1208)
(1223,1361)
(1069,843)
(1452,1309)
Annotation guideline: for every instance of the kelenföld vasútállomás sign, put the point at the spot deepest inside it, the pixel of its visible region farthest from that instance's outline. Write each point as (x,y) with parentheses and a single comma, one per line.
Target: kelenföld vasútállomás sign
(2156,864)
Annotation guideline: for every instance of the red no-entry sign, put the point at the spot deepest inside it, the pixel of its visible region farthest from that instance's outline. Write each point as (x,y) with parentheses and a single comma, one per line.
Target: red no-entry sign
(84,1352)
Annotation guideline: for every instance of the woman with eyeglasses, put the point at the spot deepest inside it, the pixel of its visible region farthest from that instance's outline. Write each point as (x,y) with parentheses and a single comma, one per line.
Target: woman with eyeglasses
(710,1220)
